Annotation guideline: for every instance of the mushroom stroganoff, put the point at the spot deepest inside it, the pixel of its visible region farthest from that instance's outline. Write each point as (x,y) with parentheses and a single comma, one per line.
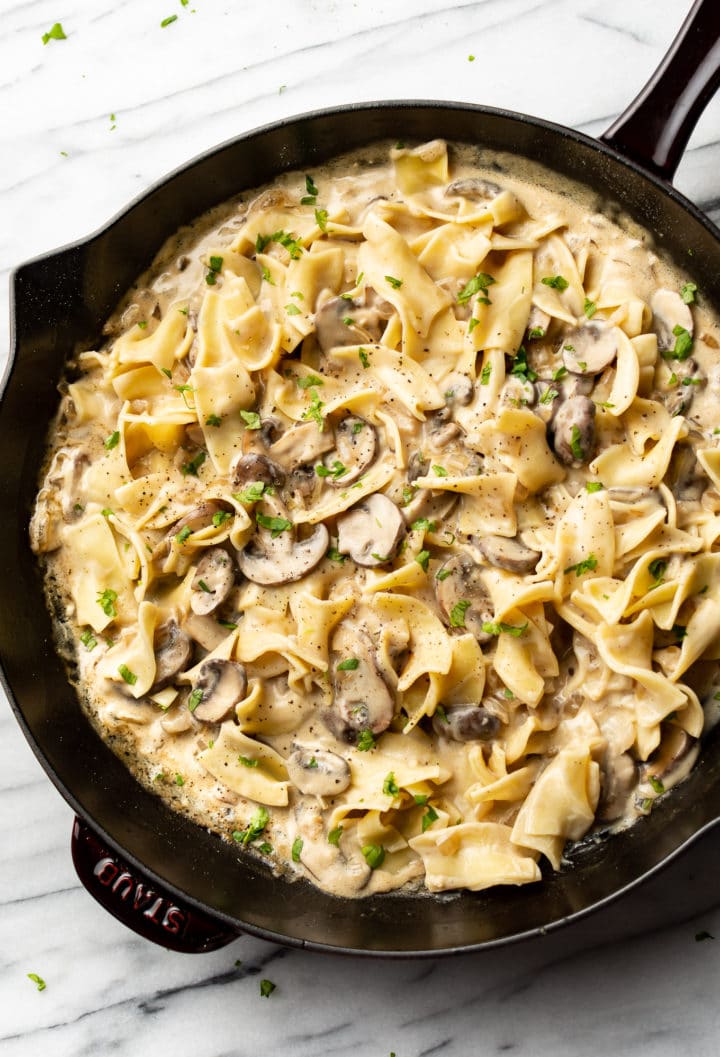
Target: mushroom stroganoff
(384,523)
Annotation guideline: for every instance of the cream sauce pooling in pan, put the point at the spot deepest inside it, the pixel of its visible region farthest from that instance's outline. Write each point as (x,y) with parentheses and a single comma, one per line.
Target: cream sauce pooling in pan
(384,522)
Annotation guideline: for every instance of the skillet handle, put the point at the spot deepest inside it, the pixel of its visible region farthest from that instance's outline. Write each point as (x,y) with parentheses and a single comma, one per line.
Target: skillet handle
(655,128)
(146,908)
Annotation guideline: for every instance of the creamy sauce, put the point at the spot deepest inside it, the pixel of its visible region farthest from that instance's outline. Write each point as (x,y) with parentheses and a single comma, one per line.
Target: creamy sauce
(384,521)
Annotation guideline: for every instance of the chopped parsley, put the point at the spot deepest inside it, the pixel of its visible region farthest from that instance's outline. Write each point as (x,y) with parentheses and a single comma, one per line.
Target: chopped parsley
(395,283)
(183,535)
(688,292)
(334,836)
(337,471)
(657,570)
(267,276)
(390,786)
(374,855)
(350,664)
(38,980)
(229,624)
(679,631)
(275,524)
(215,267)
(423,560)
(251,419)
(129,677)
(266,988)
(589,308)
(424,524)
(357,428)
(440,711)
(575,444)
(587,565)
(557,282)
(195,698)
(56,32)
(314,411)
(191,468)
(472,324)
(168,21)
(485,374)
(88,640)
(536,332)
(321,218)
(594,486)
(442,574)
(335,556)
(366,741)
(308,381)
(142,324)
(520,366)
(421,799)
(310,187)
(179,780)
(429,817)
(478,283)
(683,345)
(256,826)
(184,390)
(246,761)
(440,471)
(490,628)
(559,373)
(656,783)
(292,310)
(457,613)
(112,441)
(213,420)
(106,600)
(252,494)
(549,395)
(220,517)
(297,848)
(363,358)
(292,245)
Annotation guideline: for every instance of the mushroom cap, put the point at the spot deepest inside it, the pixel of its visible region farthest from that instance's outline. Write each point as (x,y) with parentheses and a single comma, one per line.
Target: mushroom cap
(577,413)
(473,187)
(172,653)
(355,448)
(461,583)
(246,469)
(589,348)
(466,722)
(282,560)
(361,698)
(510,554)
(213,581)
(669,311)
(318,772)
(223,684)
(370,531)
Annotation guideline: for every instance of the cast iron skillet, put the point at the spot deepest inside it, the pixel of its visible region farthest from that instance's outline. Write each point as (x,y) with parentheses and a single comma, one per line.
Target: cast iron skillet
(163,875)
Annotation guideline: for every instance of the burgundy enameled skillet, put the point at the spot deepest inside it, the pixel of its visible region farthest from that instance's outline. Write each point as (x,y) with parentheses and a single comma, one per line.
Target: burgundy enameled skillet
(161,874)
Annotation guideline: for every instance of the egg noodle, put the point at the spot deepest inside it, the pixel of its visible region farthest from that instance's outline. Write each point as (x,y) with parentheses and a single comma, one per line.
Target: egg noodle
(385,524)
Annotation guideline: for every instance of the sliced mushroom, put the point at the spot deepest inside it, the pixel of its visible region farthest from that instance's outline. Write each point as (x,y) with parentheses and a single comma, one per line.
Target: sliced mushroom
(669,311)
(173,649)
(468,722)
(518,392)
(302,444)
(574,431)
(417,466)
(686,477)
(199,517)
(355,448)
(674,760)
(282,559)
(463,598)
(475,188)
(458,389)
(589,349)
(318,772)
(222,684)
(213,581)
(361,698)
(436,506)
(370,531)
(246,469)
(342,321)
(537,321)
(509,554)
(618,780)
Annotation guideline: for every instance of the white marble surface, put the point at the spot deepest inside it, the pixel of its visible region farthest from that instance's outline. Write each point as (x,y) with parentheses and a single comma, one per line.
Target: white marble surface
(65,167)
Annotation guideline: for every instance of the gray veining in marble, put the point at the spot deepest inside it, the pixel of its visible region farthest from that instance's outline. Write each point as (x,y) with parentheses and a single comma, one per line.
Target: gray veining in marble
(634,980)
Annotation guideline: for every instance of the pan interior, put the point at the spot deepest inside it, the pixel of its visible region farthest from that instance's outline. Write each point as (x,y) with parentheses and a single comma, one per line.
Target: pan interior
(61,302)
